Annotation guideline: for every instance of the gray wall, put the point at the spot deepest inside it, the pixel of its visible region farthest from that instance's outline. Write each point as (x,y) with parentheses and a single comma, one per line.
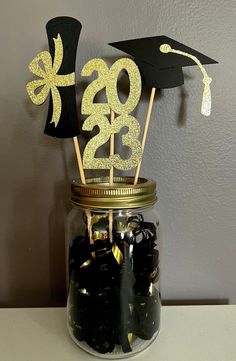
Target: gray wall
(193,158)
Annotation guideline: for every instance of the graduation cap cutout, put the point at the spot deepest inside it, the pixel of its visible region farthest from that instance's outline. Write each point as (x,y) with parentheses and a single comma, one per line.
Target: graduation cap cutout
(160,60)
(58,77)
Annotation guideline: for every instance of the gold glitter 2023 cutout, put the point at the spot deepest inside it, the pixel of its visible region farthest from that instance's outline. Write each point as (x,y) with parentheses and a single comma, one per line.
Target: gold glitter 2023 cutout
(206,98)
(50,79)
(107,78)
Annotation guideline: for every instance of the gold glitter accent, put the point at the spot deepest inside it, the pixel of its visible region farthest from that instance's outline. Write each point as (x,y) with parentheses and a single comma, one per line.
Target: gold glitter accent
(108,78)
(50,79)
(87,105)
(154,275)
(89,160)
(117,254)
(135,86)
(130,334)
(97,217)
(129,139)
(102,235)
(151,289)
(84,291)
(206,97)
(130,337)
(165,48)
(86,263)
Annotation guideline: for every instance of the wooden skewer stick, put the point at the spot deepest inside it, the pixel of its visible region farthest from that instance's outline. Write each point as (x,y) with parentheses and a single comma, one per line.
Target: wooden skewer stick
(83,180)
(145,131)
(79,160)
(111,174)
(112,146)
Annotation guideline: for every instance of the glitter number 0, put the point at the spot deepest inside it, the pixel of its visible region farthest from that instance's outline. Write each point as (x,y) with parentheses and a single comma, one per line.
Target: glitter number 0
(135,86)
(108,79)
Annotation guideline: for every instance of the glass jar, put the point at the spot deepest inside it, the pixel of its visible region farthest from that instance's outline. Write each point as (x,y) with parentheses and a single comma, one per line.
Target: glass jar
(113,303)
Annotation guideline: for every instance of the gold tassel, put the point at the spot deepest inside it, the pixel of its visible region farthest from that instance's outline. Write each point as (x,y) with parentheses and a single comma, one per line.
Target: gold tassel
(206,97)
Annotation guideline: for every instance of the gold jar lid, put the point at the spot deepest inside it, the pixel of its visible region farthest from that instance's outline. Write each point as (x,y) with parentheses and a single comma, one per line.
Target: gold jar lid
(97,193)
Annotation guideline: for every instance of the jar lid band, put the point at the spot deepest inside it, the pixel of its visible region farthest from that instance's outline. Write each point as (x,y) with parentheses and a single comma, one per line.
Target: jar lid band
(97,193)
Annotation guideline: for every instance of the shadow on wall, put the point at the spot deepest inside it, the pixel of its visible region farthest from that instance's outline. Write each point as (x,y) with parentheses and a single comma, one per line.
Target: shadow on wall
(36,265)
(34,242)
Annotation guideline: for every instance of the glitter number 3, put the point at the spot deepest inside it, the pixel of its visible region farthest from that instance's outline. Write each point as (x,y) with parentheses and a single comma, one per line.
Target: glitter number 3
(107,78)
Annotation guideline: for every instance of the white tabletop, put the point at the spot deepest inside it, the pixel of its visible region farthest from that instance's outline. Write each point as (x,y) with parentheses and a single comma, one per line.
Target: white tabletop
(188,333)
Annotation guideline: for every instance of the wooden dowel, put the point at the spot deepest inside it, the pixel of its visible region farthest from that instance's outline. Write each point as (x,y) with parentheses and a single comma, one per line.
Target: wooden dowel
(89,226)
(83,181)
(111,175)
(112,147)
(110,218)
(79,160)
(145,131)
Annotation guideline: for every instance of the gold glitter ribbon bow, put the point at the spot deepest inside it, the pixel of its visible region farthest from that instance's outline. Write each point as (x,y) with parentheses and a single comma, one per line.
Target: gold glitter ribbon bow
(206,97)
(50,79)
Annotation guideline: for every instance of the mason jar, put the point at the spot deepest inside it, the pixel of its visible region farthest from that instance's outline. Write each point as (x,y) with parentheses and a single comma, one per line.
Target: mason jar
(113,303)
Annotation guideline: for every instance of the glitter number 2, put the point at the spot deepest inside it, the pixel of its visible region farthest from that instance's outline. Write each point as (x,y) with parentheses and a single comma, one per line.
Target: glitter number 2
(97,141)
(108,79)
(87,105)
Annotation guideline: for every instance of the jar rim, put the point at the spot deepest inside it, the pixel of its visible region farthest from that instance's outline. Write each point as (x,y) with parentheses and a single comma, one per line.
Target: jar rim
(97,193)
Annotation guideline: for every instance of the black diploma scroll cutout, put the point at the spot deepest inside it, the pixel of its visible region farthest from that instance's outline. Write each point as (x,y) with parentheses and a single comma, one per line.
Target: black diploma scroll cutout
(69,30)
(160,70)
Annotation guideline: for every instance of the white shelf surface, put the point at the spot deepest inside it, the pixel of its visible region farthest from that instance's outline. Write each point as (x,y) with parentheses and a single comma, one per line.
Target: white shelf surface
(188,333)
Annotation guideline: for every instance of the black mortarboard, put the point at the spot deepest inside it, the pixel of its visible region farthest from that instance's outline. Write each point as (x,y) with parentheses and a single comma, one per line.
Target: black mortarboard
(69,30)
(158,69)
